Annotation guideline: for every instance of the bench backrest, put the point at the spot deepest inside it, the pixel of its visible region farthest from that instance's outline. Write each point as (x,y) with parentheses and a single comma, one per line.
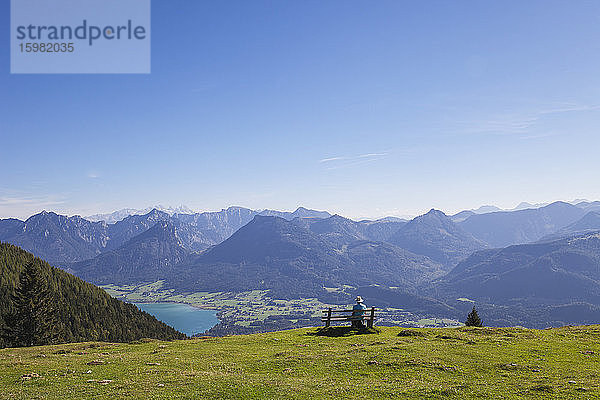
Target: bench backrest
(349,315)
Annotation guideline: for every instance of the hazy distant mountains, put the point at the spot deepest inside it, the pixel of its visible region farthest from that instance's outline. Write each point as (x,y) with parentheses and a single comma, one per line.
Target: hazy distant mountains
(532,283)
(117,216)
(56,238)
(300,257)
(300,212)
(150,256)
(437,236)
(308,253)
(62,240)
(182,210)
(590,222)
(499,229)
(292,260)
(565,269)
(340,230)
(445,240)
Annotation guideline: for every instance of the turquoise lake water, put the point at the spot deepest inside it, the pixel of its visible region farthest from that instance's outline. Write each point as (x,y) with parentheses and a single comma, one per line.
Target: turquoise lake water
(185,318)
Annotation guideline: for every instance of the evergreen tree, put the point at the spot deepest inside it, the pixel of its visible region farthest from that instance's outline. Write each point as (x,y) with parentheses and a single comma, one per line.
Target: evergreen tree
(33,321)
(77,311)
(473,319)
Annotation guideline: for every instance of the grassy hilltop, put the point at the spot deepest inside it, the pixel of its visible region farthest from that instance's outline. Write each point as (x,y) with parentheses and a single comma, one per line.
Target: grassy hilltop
(456,363)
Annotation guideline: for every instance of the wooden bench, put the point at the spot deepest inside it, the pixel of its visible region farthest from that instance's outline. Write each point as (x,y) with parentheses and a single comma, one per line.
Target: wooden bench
(346,315)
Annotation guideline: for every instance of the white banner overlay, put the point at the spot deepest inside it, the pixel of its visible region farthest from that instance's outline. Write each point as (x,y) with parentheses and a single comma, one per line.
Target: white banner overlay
(80,36)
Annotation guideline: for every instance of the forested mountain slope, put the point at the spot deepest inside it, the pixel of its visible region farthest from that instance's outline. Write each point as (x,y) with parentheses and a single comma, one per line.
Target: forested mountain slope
(84,312)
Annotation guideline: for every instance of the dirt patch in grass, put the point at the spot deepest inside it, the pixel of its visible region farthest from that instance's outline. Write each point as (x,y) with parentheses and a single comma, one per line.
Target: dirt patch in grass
(411,332)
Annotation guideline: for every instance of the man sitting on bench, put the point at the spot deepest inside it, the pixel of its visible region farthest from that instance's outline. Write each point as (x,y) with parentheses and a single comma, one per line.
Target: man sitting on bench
(358,312)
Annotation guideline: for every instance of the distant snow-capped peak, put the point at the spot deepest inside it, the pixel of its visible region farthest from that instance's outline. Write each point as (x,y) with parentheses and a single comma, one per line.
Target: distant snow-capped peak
(118,215)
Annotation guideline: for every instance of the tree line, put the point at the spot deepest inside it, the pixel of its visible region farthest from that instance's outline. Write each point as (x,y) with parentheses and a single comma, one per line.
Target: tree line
(41,304)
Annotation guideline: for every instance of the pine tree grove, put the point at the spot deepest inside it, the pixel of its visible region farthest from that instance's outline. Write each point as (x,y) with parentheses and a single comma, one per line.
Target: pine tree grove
(41,304)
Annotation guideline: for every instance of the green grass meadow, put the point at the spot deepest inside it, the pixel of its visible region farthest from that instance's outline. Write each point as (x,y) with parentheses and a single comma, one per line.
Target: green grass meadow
(447,363)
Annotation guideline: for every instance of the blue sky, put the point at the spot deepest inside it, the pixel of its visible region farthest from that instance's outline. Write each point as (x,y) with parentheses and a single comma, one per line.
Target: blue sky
(361,108)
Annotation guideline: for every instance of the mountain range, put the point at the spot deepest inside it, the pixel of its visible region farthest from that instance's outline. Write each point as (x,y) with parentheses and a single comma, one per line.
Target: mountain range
(504,228)
(535,280)
(148,256)
(427,262)
(62,240)
(437,236)
(116,216)
(293,261)
(590,222)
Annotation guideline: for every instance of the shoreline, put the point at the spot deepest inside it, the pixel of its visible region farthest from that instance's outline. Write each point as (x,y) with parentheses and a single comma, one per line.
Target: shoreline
(173,302)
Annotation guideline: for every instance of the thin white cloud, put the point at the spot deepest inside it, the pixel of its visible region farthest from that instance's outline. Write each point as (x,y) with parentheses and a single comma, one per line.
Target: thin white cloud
(23,206)
(350,158)
(523,123)
(569,107)
(11,201)
(349,161)
(92,173)
(372,155)
(332,159)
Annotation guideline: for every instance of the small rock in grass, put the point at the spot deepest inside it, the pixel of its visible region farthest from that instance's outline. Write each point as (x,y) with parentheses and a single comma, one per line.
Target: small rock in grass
(161,385)
(572,382)
(372,362)
(89,371)
(152,363)
(30,375)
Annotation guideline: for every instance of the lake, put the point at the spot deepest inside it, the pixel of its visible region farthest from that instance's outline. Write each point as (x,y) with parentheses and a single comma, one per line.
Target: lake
(183,317)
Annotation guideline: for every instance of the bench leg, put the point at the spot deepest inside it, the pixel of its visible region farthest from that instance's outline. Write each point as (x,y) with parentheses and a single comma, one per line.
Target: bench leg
(328,322)
(370,320)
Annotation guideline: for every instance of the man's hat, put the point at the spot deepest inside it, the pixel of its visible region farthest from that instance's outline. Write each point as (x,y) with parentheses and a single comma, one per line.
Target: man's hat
(358,299)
